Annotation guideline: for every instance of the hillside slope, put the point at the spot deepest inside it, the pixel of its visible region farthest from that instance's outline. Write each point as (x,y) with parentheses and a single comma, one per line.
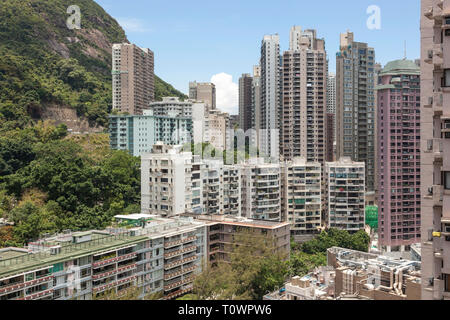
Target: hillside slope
(45,66)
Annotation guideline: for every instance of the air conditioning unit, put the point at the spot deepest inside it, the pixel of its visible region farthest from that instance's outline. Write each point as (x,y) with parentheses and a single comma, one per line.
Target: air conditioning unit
(430,191)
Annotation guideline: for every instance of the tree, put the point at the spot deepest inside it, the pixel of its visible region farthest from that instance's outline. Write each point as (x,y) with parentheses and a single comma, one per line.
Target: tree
(241,277)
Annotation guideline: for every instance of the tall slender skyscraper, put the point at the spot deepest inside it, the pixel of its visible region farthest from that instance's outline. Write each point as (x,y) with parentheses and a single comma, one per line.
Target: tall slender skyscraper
(435,149)
(399,155)
(355,104)
(270,97)
(246,112)
(331,93)
(331,116)
(303,97)
(256,101)
(133,78)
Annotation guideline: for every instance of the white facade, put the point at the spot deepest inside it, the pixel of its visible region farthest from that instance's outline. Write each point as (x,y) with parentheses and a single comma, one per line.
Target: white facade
(346,194)
(261,190)
(222,189)
(302,196)
(166,181)
(270,97)
(138,133)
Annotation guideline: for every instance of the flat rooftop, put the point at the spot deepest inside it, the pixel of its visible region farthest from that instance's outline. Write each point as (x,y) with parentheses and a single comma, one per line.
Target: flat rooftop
(14,263)
(241,221)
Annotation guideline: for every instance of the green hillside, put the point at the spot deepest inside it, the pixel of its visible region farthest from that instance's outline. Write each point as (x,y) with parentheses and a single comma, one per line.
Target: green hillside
(43,63)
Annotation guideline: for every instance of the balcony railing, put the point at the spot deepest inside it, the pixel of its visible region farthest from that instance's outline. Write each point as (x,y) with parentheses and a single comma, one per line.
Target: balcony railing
(23,285)
(114,260)
(38,295)
(179,273)
(178,283)
(178,252)
(179,242)
(179,262)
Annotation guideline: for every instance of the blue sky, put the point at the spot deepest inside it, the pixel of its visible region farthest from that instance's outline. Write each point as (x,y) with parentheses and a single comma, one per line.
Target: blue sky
(197,39)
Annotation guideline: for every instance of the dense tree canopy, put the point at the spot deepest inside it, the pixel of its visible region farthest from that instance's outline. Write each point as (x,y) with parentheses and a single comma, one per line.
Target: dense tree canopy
(255,270)
(48,183)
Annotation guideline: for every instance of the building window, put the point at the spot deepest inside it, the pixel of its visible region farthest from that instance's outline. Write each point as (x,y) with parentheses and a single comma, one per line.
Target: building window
(446,282)
(446,79)
(447,180)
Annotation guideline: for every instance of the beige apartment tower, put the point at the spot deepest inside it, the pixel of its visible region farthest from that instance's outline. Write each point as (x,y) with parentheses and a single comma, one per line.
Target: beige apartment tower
(203,91)
(303,97)
(435,149)
(355,104)
(133,78)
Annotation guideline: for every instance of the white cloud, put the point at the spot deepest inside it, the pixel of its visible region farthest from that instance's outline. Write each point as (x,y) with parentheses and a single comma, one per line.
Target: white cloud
(227,93)
(133,25)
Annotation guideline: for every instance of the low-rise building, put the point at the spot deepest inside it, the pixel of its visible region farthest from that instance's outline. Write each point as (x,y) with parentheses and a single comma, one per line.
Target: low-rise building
(356,275)
(160,257)
(222,229)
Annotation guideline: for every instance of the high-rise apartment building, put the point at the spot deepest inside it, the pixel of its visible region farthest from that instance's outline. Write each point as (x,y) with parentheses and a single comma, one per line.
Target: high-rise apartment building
(261,186)
(346,194)
(256,102)
(329,134)
(246,112)
(435,148)
(222,188)
(270,97)
(398,96)
(218,124)
(331,117)
(302,197)
(166,181)
(331,93)
(203,91)
(137,134)
(133,78)
(355,104)
(303,98)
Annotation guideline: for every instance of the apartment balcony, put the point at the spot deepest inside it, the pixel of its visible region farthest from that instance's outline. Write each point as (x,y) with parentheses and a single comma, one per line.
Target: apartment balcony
(179,293)
(172,275)
(104,287)
(104,275)
(179,252)
(179,262)
(126,280)
(178,283)
(179,242)
(113,260)
(37,295)
(20,286)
